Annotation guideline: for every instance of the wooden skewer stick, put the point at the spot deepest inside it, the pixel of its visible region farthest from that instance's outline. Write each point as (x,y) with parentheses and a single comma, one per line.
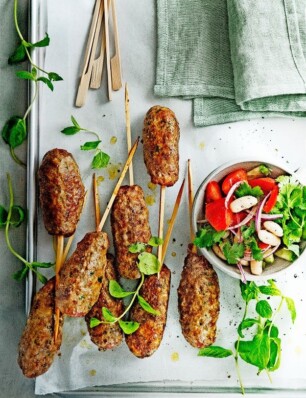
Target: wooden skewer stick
(58,264)
(161,223)
(96,200)
(172,220)
(128,130)
(115,61)
(124,170)
(108,68)
(190,204)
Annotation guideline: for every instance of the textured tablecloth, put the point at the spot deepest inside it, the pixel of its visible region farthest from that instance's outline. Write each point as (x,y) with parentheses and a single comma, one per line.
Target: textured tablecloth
(238,59)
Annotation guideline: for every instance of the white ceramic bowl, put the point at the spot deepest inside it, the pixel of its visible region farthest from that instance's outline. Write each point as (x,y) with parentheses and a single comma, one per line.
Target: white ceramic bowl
(218,174)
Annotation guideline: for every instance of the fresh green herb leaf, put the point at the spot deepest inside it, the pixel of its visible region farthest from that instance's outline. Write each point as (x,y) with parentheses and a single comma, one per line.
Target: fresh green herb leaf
(54,77)
(70,130)
(148,263)
(270,290)
(21,274)
(17,216)
(37,264)
(295,249)
(3,216)
(215,352)
(23,74)
(256,351)
(90,145)
(42,279)
(18,56)
(249,291)
(248,231)
(117,291)
(107,315)
(128,327)
(245,324)
(155,241)
(146,306)
(275,354)
(47,81)
(264,170)
(263,308)
(137,247)
(257,253)
(207,236)
(233,252)
(94,322)
(75,123)
(14,131)
(291,308)
(245,189)
(100,160)
(42,43)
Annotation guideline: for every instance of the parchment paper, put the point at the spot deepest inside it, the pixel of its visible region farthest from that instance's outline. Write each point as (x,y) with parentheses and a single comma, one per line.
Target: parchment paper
(80,363)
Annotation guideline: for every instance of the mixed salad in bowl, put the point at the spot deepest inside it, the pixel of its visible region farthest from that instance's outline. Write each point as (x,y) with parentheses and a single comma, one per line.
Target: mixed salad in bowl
(252,218)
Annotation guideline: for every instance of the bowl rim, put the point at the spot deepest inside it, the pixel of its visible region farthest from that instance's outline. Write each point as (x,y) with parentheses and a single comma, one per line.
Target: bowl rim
(209,254)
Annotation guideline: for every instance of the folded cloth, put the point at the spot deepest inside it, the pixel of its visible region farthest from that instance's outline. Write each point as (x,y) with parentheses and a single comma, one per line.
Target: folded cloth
(237,59)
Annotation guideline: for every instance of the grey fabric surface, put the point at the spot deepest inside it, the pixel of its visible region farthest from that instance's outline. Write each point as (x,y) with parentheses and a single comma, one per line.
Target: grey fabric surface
(12,313)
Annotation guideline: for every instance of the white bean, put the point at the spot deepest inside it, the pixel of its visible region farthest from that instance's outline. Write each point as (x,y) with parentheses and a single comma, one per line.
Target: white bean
(244,203)
(268,238)
(245,263)
(256,267)
(218,252)
(273,227)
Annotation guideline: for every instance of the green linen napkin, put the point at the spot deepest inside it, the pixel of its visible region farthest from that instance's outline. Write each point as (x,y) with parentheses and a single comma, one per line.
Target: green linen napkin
(237,59)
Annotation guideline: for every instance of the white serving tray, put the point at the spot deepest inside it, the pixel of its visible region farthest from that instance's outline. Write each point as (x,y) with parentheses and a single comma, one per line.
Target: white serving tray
(280,140)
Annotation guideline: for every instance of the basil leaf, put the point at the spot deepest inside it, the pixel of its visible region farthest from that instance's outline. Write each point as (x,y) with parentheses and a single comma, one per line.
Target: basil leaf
(94,322)
(215,352)
(37,264)
(14,131)
(249,291)
(54,77)
(42,43)
(70,130)
(128,327)
(3,216)
(75,123)
(155,241)
(47,82)
(256,352)
(116,290)
(291,308)
(23,74)
(90,145)
(246,323)
(21,274)
(146,306)
(17,216)
(100,160)
(263,308)
(41,278)
(19,55)
(138,247)
(148,263)
(275,354)
(108,316)
(270,290)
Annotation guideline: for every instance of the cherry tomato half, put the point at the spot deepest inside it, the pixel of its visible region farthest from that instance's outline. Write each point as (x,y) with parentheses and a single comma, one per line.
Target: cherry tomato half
(212,192)
(265,183)
(218,215)
(232,178)
(271,201)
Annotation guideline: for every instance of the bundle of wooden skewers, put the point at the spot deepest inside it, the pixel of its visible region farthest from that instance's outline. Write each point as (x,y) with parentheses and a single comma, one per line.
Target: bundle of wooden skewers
(97,48)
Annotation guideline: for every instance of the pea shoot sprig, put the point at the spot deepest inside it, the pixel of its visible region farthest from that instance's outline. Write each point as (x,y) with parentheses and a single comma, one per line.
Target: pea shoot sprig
(13,217)
(14,132)
(263,350)
(148,264)
(100,159)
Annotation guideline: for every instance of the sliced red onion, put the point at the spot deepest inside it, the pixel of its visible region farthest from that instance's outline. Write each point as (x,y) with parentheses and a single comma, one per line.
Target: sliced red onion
(259,213)
(271,216)
(271,251)
(231,192)
(245,220)
(240,267)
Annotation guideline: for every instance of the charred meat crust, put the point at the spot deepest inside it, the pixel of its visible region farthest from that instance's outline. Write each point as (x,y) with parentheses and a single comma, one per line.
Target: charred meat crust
(37,348)
(81,275)
(161,135)
(147,338)
(61,192)
(106,335)
(130,224)
(198,301)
